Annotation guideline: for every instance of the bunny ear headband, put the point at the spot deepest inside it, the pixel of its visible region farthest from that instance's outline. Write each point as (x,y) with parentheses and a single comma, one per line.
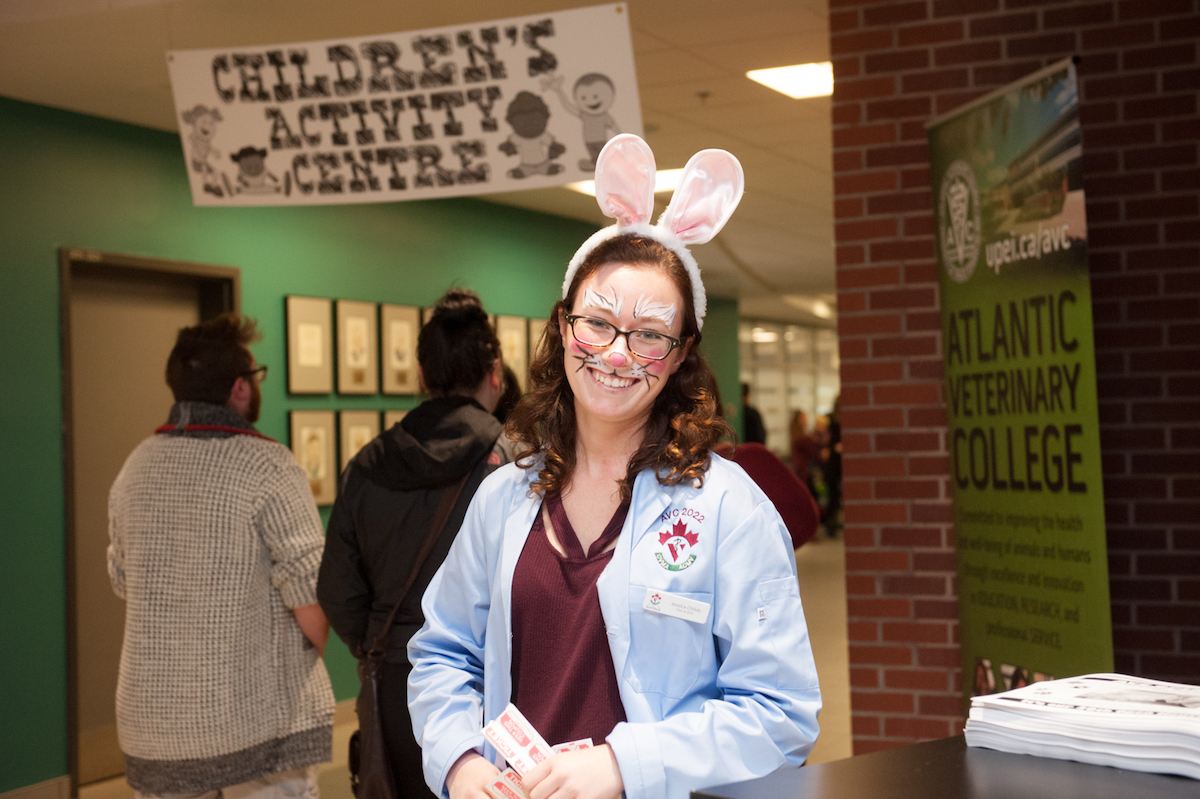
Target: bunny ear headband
(709,192)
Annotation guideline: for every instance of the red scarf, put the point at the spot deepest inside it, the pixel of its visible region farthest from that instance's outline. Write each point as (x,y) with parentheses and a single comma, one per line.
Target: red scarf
(213,428)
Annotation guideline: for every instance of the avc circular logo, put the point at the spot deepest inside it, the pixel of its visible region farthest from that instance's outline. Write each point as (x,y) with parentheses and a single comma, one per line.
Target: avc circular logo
(959,224)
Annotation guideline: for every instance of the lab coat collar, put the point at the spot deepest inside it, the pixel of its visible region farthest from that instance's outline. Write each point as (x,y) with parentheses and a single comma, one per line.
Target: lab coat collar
(650,499)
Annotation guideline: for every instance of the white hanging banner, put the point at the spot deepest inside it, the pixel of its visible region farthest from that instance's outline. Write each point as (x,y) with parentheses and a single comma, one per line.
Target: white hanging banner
(511,104)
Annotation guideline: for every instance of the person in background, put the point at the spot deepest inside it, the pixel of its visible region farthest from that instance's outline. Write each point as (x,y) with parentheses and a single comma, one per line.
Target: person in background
(831,465)
(806,455)
(790,497)
(753,429)
(215,544)
(511,396)
(619,582)
(388,496)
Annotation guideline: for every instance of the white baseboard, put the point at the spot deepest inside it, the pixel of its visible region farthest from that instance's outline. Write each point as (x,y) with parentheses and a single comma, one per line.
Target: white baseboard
(57,788)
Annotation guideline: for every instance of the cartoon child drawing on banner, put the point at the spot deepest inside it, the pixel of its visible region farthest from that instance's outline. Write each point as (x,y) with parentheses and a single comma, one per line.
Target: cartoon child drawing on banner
(530,141)
(592,97)
(204,127)
(253,175)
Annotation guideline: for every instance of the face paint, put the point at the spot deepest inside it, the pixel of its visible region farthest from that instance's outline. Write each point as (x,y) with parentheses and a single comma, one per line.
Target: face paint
(634,371)
(604,379)
(647,308)
(606,302)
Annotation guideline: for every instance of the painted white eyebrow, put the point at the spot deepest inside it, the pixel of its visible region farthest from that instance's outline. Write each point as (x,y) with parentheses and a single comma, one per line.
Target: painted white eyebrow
(647,308)
(611,303)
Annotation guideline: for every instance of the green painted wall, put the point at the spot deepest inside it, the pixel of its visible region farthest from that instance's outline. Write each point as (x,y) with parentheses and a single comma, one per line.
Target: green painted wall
(72,180)
(721,348)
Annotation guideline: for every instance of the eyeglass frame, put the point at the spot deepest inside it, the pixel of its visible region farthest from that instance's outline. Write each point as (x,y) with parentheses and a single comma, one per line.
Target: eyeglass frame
(261,371)
(675,343)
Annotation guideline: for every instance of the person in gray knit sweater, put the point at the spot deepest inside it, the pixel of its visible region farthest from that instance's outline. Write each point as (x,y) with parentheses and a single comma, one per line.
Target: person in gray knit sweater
(215,547)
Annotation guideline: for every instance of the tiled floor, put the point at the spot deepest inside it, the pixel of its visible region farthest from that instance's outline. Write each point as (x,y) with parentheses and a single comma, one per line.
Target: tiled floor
(821,565)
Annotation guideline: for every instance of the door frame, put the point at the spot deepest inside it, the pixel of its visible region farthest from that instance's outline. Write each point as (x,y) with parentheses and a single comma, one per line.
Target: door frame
(220,291)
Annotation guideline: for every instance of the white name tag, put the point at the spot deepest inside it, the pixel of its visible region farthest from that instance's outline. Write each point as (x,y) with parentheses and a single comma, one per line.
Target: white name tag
(678,606)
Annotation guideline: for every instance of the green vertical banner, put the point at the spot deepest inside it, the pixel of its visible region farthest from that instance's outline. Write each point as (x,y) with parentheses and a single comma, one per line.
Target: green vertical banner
(1023,432)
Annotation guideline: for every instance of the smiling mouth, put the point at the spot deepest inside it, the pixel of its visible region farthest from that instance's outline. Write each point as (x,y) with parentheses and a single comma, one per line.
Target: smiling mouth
(611,380)
(593,106)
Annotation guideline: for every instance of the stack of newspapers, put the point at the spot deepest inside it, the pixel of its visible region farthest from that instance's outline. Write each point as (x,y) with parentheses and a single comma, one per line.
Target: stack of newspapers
(1106,719)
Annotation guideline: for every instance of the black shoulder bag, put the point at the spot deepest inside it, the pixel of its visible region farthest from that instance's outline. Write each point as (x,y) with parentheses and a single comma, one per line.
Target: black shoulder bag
(370,763)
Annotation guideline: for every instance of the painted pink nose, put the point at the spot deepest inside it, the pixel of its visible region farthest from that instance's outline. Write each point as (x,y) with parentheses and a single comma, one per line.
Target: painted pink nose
(618,359)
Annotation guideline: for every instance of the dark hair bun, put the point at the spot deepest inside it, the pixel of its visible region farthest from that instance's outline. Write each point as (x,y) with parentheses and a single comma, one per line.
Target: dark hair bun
(457,346)
(459,307)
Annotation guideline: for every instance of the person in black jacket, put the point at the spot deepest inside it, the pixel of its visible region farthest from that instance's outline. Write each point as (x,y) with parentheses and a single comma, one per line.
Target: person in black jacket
(388,496)
(753,429)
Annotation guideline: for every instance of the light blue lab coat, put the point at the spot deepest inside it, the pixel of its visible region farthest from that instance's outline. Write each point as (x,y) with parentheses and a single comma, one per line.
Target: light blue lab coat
(728,699)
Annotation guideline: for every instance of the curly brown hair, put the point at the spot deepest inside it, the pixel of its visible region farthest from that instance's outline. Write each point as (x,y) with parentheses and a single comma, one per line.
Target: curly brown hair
(685,422)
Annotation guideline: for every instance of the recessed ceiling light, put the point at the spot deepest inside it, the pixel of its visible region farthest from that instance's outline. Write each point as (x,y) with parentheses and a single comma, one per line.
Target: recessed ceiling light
(798,80)
(762,336)
(817,306)
(664,180)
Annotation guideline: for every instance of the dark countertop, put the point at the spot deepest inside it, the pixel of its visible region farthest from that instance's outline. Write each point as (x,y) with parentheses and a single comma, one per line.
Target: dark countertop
(949,769)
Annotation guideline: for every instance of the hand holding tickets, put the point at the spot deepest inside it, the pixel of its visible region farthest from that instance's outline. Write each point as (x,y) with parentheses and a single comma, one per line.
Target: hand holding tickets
(516,740)
(590,773)
(524,749)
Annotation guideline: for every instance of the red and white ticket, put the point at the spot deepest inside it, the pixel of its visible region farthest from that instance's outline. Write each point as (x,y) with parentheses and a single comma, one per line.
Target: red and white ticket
(516,740)
(572,746)
(507,785)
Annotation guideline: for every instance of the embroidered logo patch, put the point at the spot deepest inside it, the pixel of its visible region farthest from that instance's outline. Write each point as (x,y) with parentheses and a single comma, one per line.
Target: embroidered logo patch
(675,547)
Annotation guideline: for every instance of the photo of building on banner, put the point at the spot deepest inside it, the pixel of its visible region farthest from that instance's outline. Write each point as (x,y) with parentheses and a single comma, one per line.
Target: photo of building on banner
(1017,344)
(485,107)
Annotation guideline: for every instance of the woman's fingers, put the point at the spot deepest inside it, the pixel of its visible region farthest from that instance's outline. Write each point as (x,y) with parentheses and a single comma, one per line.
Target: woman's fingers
(582,774)
(468,776)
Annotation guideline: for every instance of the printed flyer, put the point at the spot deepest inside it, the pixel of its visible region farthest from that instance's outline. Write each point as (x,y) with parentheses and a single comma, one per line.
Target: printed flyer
(478,108)
(1023,429)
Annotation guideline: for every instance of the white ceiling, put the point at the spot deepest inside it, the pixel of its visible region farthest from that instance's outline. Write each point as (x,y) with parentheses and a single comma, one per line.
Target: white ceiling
(105,57)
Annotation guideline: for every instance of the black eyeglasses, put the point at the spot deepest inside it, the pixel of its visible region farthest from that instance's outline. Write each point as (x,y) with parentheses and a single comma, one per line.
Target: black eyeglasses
(642,343)
(260,373)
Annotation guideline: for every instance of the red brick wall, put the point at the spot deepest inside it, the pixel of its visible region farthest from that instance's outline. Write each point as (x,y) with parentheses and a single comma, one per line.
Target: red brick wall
(896,64)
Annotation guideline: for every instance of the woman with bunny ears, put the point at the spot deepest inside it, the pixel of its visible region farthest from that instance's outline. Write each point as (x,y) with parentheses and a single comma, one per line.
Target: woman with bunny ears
(620,582)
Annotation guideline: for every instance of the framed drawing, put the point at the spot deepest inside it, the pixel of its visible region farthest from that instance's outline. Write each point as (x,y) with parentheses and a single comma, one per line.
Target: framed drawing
(392,418)
(514,346)
(399,325)
(312,436)
(309,345)
(425,314)
(358,362)
(357,428)
(536,328)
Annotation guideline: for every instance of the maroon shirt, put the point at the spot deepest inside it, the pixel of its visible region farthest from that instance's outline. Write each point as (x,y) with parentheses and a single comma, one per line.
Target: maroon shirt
(563,678)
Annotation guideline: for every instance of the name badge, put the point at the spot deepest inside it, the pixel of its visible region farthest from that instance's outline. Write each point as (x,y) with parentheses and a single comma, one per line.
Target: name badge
(680,607)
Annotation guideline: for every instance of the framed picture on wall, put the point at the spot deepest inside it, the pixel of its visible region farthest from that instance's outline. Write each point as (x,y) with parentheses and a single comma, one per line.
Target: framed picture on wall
(312,440)
(536,328)
(358,361)
(399,325)
(357,428)
(392,418)
(309,345)
(425,314)
(513,333)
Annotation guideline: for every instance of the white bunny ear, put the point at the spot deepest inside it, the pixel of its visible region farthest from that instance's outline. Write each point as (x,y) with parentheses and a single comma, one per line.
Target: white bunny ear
(708,193)
(625,180)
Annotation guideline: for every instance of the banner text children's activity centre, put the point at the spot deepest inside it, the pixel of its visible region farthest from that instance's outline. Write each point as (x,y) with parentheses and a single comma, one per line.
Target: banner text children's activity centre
(477,108)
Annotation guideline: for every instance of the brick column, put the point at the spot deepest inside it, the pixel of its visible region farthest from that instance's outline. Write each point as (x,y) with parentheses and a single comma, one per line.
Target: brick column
(897,64)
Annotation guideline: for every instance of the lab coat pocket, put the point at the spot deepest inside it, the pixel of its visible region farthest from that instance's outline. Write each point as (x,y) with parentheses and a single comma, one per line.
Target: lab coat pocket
(786,631)
(666,653)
